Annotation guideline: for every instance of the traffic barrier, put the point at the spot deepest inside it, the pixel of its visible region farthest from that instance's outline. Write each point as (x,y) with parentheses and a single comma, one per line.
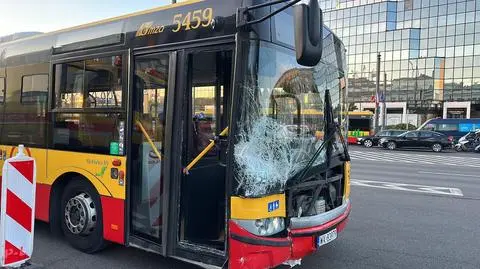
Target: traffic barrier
(17,209)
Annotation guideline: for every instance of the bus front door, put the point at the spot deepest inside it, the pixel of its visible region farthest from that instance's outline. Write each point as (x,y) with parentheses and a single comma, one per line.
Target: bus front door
(149,102)
(201,223)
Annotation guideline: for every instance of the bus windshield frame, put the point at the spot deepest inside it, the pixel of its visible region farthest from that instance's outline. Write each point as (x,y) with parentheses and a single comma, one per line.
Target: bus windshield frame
(277,135)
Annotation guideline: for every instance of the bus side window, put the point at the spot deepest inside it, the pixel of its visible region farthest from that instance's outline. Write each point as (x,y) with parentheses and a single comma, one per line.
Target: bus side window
(81,88)
(24,114)
(103,78)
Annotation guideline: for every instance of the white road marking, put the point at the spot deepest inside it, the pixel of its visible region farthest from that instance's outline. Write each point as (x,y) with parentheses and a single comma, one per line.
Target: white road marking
(407,187)
(447,174)
(402,157)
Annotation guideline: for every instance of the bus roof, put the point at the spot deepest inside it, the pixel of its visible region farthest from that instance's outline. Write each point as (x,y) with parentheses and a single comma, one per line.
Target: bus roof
(105,21)
(360,113)
(156,26)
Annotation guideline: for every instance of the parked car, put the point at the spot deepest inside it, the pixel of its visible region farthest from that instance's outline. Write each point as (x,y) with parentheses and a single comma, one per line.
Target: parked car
(418,139)
(372,140)
(451,127)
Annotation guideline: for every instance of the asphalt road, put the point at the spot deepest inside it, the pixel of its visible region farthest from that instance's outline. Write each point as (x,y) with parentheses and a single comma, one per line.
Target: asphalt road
(411,209)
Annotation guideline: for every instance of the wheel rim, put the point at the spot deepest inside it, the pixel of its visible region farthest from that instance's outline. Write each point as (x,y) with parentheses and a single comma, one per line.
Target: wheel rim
(391,145)
(437,147)
(367,143)
(80,214)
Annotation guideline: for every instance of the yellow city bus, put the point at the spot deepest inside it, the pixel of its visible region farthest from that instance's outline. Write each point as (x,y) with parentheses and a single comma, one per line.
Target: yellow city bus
(360,123)
(181,130)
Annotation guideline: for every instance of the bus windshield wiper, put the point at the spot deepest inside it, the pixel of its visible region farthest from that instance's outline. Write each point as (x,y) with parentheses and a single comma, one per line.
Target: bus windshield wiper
(346,155)
(331,130)
(312,160)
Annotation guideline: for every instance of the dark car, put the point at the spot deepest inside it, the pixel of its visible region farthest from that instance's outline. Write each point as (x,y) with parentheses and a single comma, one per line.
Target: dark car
(418,139)
(370,141)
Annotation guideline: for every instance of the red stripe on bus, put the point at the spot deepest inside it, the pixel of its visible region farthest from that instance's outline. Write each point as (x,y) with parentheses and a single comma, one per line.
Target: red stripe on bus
(42,202)
(19,211)
(113,219)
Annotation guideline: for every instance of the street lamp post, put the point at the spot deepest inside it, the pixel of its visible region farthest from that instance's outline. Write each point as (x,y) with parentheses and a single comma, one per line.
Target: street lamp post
(406,100)
(416,83)
(384,110)
(415,89)
(377,94)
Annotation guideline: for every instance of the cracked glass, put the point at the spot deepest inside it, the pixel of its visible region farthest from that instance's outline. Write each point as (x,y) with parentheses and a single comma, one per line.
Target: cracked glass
(281,122)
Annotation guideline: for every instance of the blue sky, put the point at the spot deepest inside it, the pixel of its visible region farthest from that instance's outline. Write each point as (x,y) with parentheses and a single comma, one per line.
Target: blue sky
(50,15)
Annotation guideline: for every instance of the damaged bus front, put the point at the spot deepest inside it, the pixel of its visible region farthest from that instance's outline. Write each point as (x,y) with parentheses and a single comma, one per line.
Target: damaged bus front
(291,172)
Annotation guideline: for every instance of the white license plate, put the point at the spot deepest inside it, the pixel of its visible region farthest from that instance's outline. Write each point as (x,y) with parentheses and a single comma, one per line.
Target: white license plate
(327,238)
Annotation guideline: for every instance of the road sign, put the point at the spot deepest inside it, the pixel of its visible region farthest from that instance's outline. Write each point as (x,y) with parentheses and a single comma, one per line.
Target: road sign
(17,209)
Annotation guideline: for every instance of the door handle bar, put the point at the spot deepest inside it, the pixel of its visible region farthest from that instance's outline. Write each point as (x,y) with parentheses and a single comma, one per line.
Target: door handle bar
(202,154)
(139,124)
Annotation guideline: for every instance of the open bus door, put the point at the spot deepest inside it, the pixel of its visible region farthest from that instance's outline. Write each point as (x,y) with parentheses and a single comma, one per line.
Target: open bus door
(181,109)
(200,223)
(149,162)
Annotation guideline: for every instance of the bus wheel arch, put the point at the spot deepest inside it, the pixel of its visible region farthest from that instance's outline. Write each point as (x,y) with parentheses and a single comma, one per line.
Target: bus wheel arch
(72,189)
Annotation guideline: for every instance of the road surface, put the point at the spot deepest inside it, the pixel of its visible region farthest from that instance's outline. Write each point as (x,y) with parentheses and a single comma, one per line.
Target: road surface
(411,209)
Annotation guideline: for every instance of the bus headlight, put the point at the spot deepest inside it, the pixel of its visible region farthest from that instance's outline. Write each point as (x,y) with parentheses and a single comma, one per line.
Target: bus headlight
(263,227)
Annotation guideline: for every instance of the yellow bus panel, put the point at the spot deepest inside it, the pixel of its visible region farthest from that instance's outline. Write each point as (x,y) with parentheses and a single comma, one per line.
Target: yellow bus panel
(258,208)
(97,168)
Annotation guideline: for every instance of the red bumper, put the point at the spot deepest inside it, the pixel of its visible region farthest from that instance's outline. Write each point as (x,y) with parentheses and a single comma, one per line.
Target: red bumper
(352,140)
(248,251)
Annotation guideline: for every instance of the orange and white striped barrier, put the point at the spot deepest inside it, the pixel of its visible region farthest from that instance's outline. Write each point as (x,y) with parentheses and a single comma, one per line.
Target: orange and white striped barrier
(17,210)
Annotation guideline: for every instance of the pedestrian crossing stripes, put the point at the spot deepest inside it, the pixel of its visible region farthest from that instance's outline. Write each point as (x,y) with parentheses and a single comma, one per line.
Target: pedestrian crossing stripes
(445,159)
(407,187)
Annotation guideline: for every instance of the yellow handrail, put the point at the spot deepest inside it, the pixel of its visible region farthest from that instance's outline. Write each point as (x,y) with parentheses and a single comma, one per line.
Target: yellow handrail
(139,124)
(202,154)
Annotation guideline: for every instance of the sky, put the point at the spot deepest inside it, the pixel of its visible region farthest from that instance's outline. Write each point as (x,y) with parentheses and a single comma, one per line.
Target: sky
(50,15)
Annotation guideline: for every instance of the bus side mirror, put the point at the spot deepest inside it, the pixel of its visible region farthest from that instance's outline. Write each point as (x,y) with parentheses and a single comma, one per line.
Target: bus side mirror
(308,24)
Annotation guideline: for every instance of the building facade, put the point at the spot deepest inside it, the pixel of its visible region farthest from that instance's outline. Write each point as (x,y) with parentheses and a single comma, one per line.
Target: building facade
(429,51)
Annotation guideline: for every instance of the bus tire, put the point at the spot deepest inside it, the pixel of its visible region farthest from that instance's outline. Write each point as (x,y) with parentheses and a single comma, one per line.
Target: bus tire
(81,216)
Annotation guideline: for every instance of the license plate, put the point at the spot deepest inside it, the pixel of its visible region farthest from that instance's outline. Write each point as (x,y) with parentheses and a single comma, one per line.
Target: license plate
(327,238)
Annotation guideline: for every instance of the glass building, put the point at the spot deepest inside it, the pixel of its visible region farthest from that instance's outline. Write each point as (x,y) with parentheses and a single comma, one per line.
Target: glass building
(430,55)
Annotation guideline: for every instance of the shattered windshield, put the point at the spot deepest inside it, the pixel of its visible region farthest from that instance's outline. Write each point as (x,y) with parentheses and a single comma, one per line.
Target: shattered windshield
(281,123)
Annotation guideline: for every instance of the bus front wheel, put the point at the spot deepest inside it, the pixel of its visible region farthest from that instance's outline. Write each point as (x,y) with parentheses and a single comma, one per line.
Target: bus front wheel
(81,215)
